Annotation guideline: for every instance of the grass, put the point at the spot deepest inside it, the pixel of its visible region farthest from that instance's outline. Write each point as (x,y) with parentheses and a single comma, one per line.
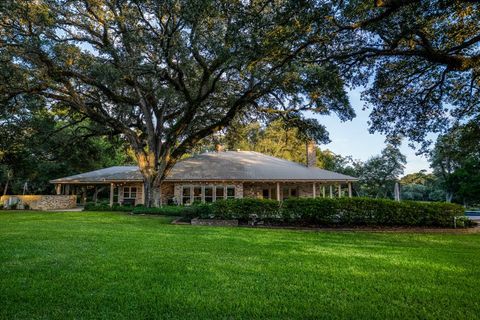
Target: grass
(88,265)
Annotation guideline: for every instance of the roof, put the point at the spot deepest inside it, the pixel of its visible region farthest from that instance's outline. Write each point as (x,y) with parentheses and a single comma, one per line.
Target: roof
(228,165)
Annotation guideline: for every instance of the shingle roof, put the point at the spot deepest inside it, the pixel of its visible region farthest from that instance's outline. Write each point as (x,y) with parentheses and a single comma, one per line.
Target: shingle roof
(229,165)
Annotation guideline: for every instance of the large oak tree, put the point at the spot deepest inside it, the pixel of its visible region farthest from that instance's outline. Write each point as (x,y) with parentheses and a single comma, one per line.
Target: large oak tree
(419,60)
(165,74)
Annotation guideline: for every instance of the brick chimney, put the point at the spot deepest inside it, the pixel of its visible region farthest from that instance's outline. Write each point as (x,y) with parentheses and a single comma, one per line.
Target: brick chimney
(311,154)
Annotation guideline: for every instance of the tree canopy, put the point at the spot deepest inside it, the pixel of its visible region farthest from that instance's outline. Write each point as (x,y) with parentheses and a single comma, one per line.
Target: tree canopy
(166,74)
(420,61)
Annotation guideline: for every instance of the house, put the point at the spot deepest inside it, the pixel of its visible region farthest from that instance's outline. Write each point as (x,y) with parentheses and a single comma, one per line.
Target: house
(210,176)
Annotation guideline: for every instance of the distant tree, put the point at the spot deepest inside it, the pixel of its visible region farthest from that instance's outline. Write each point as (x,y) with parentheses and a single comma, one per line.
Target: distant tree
(40,143)
(166,74)
(379,174)
(456,161)
(421,186)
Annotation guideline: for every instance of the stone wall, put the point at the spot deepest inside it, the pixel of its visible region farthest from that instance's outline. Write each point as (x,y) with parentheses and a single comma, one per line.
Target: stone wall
(44,202)
(213,222)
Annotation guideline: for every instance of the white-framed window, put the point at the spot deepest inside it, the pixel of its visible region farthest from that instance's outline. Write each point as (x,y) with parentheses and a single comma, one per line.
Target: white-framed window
(219,192)
(207,193)
(197,194)
(230,192)
(289,192)
(186,199)
(130,192)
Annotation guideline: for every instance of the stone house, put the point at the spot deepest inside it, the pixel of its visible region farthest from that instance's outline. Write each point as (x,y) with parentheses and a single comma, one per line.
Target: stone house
(210,176)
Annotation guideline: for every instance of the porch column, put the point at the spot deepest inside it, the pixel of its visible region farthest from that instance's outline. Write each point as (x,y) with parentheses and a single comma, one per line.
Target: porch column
(349,189)
(84,195)
(339,190)
(58,189)
(331,191)
(118,195)
(278,191)
(314,191)
(323,190)
(111,194)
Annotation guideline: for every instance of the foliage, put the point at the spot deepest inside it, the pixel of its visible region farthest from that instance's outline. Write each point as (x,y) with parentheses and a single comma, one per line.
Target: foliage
(166,74)
(40,143)
(174,211)
(422,55)
(243,209)
(339,212)
(378,175)
(106,207)
(456,161)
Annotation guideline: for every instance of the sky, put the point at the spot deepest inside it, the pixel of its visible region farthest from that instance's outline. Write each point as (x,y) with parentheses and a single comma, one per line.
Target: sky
(352,137)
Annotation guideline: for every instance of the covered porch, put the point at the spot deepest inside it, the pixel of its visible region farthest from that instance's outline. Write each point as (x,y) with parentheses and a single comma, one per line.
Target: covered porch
(281,190)
(119,192)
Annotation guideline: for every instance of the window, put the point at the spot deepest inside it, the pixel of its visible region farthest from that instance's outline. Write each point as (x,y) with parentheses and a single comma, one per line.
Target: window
(208,194)
(230,192)
(220,193)
(197,194)
(129,192)
(186,195)
(289,192)
(266,193)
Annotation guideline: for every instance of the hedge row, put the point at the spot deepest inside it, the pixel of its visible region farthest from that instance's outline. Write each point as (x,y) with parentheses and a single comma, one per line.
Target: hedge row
(320,211)
(106,207)
(337,212)
(176,211)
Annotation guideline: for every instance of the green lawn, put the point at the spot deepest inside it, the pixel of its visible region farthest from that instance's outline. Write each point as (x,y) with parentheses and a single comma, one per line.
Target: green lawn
(114,266)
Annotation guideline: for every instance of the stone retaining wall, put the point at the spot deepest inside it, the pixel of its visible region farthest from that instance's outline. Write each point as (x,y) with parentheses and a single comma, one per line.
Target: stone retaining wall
(44,202)
(213,222)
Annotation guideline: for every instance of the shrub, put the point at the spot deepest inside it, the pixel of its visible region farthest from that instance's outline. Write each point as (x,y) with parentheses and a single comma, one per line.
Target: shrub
(339,212)
(106,207)
(242,209)
(176,211)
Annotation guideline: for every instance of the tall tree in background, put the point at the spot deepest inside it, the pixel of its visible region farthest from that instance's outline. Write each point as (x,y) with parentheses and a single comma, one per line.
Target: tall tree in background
(377,176)
(40,143)
(165,74)
(456,160)
(424,56)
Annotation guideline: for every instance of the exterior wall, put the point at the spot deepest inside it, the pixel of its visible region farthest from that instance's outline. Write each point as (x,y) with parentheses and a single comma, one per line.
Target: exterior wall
(45,202)
(167,193)
(139,199)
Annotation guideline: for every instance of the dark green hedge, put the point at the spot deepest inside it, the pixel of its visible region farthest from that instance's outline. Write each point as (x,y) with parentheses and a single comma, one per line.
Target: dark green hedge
(338,212)
(175,211)
(320,211)
(106,207)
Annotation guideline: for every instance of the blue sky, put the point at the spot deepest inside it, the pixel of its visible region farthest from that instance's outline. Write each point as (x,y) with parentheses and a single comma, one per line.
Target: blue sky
(352,137)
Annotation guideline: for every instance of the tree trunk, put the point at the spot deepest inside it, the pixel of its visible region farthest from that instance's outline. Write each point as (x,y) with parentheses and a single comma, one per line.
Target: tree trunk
(148,183)
(448,196)
(95,194)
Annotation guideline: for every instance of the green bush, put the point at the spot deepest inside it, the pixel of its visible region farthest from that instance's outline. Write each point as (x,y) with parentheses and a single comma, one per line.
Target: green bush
(242,209)
(338,212)
(176,211)
(106,207)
